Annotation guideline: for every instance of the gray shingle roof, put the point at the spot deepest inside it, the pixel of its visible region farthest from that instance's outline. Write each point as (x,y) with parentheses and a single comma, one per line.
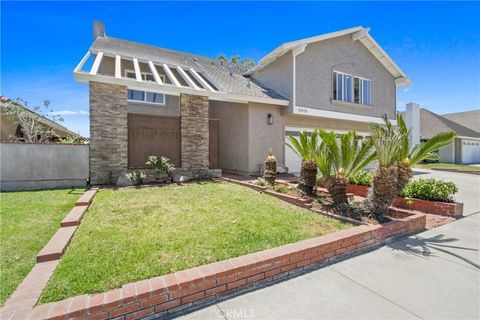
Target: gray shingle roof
(227,78)
(469,119)
(432,124)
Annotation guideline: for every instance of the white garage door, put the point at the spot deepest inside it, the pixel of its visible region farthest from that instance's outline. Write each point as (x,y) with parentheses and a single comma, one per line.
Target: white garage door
(292,161)
(470,151)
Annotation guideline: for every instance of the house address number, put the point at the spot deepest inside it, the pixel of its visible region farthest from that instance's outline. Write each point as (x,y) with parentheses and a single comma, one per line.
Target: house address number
(302,110)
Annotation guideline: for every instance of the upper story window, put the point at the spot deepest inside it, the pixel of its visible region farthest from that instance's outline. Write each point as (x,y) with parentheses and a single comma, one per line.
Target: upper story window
(145,76)
(146,97)
(349,88)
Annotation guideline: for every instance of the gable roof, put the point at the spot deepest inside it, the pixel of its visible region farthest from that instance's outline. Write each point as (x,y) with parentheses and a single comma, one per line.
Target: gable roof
(432,124)
(469,119)
(227,77)
(358,33)
(4,102)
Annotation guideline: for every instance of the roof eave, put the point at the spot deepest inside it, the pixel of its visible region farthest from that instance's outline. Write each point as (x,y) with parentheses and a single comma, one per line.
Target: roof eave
(86,77)
(358,34)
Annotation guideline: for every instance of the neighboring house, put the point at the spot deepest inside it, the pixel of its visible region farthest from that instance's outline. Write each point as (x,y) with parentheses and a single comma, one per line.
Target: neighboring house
(425,124)
(469,119)
(203,113)
(10,128)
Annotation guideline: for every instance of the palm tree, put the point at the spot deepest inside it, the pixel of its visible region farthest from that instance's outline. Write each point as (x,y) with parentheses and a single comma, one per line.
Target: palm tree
(235,59)
(337,159)
(305,146)
(410,157)
(388,144)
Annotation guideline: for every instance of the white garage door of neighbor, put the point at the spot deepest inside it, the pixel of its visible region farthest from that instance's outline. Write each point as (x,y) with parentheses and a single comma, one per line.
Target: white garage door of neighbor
(470,151)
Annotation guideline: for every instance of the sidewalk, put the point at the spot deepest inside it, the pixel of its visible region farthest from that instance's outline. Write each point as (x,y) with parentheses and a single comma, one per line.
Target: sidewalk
(433,275)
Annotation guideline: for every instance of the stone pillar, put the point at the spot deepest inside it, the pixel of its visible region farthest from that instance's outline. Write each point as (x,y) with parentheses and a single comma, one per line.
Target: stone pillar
(412,120)
(108,132)
(194,132)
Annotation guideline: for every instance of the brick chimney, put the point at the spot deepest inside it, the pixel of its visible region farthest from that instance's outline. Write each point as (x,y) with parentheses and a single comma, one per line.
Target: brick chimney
(98,30)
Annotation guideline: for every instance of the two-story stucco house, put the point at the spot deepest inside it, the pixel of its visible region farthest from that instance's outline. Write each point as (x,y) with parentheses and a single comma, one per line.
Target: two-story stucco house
(203,113)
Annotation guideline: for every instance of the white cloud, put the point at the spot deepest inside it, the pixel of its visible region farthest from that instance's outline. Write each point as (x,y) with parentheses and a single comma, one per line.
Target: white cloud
(406,90)
(64,113)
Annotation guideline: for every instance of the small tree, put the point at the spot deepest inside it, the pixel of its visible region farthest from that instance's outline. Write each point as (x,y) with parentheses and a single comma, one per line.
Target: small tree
(411,155)
(30,121)
(305,146)
(338,159)
(387,143)
(161,165)
(270,168)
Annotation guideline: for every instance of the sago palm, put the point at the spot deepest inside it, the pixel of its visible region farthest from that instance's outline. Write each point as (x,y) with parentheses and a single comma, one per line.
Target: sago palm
(408,157)
(304,146)
(388,145)
(339,157)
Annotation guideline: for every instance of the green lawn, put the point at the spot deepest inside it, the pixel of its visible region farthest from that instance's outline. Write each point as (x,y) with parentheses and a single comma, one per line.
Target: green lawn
(459,167)
(27,221)
(133,234)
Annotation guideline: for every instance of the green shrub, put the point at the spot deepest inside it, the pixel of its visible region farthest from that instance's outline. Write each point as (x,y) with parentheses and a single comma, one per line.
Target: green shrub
(362,178)
(281,188)
(161,165)
(138,176)
(261,182)
(430,189)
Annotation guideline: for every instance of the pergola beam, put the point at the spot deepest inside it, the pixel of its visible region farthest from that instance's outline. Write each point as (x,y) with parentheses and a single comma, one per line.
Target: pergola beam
(170,74)
(82,62)
(155,73)
(118,66)
(187,78)
(136,66)
(202,81)
(96,63)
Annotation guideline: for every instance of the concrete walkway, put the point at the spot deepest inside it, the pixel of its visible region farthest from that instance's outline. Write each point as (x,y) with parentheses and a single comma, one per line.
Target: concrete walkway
(433,275)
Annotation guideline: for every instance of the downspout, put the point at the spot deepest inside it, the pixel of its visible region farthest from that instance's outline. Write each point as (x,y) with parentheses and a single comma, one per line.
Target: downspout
(295,52)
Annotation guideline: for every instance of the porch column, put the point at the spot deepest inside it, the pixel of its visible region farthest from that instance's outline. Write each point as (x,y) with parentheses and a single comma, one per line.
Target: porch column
(194,132)
(108,132)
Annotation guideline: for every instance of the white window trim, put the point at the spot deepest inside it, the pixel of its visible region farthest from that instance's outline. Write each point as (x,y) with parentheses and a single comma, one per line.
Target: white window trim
(144,74)
(145,98)
(353,89)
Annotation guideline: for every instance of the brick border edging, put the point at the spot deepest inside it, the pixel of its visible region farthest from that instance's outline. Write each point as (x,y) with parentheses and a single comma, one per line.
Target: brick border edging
(191,288)
(19,305)
(448,209)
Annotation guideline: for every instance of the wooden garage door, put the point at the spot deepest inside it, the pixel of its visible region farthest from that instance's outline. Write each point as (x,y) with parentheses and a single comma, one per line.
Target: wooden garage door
(213,144)
(153,135)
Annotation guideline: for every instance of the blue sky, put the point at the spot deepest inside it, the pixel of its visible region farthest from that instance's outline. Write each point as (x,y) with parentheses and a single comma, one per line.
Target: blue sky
(436,43)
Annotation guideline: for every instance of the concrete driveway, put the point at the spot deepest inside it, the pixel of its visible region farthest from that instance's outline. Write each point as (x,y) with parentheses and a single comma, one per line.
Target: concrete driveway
(433,275)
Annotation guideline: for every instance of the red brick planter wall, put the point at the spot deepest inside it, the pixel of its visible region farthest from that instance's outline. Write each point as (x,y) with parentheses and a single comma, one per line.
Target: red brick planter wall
(361,191)
(449,209)
(186,289)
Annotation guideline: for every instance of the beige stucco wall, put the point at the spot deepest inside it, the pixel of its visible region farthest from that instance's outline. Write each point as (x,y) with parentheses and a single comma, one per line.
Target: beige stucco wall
(263,136)
(233,134)
(314,77)
(278,75)
(245,136)
(447,154)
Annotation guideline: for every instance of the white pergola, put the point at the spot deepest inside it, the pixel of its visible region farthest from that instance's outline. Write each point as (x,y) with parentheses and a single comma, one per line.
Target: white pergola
(175,88)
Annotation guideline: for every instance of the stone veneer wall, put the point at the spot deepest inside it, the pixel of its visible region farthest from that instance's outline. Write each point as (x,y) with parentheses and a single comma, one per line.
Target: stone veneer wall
(194,132)
(108,132)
